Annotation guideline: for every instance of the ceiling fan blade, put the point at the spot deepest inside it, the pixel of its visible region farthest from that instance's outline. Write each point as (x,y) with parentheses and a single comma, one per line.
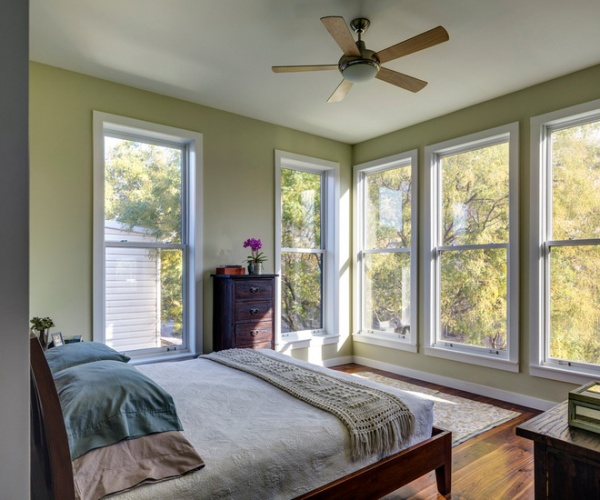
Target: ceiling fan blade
(340,92)
(400,80)
(340,32)
(414,44)
(294,69)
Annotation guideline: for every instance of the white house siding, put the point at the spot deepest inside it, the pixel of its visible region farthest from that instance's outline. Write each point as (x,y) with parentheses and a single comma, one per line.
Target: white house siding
(132,291)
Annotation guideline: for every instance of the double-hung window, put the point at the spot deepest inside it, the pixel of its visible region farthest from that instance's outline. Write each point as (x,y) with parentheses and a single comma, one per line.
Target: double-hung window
(145,236)
(306,253)
(471,274)
(386,249)
(565,275)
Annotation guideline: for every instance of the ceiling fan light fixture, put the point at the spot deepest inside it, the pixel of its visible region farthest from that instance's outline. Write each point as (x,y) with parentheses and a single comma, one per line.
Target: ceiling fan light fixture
(359,70)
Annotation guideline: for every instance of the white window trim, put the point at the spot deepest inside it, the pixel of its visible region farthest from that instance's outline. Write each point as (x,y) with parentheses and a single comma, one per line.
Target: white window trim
(193,141)
(391,341)
(540,127)
(508,361)
(330,310)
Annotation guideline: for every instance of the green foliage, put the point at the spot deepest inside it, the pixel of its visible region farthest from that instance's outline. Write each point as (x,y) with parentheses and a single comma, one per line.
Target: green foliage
(475,211)
(40,324)
(387,227)
(575,270)
(143,190)
(301,273)
(301,292)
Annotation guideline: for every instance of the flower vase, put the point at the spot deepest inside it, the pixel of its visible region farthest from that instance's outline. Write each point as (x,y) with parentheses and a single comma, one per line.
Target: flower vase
(255,268)
(43,335)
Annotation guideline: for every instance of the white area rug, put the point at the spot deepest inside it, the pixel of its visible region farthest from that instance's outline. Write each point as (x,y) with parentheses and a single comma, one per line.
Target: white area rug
(464,417)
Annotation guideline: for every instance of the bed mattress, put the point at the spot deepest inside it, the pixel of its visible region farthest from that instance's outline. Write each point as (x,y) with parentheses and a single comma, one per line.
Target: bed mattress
(256,440)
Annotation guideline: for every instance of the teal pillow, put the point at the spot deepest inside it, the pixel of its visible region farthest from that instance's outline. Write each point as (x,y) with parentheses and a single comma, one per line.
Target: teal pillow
(68,355)
(104,402)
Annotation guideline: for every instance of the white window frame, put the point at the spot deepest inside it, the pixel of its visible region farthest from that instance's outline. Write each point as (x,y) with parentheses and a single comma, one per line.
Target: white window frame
(541,184)
(105,122)
(330,175)
(503,360)
(408,159)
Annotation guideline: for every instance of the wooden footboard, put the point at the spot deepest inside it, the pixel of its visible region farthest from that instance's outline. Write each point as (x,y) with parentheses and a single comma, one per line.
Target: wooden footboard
(52,475)
(389,474)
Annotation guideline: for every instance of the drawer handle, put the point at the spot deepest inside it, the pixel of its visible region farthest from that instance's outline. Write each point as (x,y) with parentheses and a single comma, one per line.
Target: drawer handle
(254,289)
(254,310)
(254,333)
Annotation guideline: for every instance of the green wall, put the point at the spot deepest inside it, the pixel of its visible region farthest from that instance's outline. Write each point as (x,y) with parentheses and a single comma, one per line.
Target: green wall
(569,90)
(237,200)
(238,197)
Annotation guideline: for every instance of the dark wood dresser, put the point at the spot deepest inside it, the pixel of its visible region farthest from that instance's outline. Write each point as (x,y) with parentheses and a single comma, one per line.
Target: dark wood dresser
(243,311)
(566,459)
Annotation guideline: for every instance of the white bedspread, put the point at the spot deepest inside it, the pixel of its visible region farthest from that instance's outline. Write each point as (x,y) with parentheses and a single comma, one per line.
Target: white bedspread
(257,441)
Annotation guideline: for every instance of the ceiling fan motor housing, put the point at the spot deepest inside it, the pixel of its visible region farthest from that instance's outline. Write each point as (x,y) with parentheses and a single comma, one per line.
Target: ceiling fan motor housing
(361,68)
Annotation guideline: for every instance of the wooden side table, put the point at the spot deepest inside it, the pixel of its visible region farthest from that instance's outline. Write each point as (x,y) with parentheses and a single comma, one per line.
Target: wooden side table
(566,459)
(243,311)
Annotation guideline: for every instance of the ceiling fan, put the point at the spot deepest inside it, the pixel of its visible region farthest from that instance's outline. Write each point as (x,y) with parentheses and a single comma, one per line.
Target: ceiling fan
(359,64)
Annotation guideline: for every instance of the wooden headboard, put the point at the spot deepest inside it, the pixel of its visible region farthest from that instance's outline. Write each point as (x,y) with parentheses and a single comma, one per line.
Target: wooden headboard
(51,470)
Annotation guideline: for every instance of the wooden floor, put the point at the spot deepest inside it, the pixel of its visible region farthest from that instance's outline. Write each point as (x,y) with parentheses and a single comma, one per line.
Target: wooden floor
(495,465)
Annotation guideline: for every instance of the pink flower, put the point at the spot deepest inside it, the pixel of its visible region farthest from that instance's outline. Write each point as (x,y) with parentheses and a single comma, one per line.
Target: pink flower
(255,245)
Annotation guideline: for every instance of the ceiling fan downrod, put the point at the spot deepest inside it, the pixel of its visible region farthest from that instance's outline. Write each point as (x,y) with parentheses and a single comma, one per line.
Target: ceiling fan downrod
(361,68)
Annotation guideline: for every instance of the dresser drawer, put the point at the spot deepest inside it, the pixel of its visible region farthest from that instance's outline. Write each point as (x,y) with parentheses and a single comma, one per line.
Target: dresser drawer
(253,311)
(254,289)
(251,333)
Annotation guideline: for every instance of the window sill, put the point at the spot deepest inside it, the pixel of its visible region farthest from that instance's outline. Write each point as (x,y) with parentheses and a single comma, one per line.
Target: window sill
(159,358)
(384,341)
(304,340)
(562,375)
(473,359)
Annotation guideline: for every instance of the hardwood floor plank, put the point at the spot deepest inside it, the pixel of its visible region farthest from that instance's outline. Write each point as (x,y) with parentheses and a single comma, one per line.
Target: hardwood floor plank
(494,465)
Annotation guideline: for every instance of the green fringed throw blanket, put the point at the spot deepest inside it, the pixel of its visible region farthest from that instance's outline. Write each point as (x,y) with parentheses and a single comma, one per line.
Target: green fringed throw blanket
(375,419)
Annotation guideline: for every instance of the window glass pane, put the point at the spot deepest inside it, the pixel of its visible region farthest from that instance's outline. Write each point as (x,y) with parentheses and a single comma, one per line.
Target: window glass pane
(388,209)
(143,298)
(475,196)
(576,182)
(575,303)
(301,291)
(386,303)
(142,191)
(473,298)
(300,209)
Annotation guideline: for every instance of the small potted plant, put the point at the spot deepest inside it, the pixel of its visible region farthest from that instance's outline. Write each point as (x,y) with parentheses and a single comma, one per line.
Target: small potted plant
(256,259)
(42,326)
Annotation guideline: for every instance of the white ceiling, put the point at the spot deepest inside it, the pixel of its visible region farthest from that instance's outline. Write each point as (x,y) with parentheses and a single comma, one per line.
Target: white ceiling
(219,53)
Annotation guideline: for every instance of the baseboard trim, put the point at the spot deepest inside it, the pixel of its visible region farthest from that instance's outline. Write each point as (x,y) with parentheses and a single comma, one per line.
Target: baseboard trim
(343,360)
(482,390)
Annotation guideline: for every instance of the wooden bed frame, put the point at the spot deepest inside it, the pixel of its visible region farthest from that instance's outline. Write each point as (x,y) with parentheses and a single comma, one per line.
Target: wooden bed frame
(52,473)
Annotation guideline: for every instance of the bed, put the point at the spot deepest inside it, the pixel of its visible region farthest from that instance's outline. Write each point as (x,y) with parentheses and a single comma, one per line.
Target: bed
(255,440)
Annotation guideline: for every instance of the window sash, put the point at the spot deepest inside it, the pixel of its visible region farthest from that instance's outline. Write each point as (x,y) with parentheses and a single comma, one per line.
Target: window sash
(502,359)
(395,334)
(189,143)
(543,363)
(329,175)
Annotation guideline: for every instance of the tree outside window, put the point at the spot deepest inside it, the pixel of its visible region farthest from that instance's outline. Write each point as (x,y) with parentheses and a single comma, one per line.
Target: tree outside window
(573,244)
(301,251)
